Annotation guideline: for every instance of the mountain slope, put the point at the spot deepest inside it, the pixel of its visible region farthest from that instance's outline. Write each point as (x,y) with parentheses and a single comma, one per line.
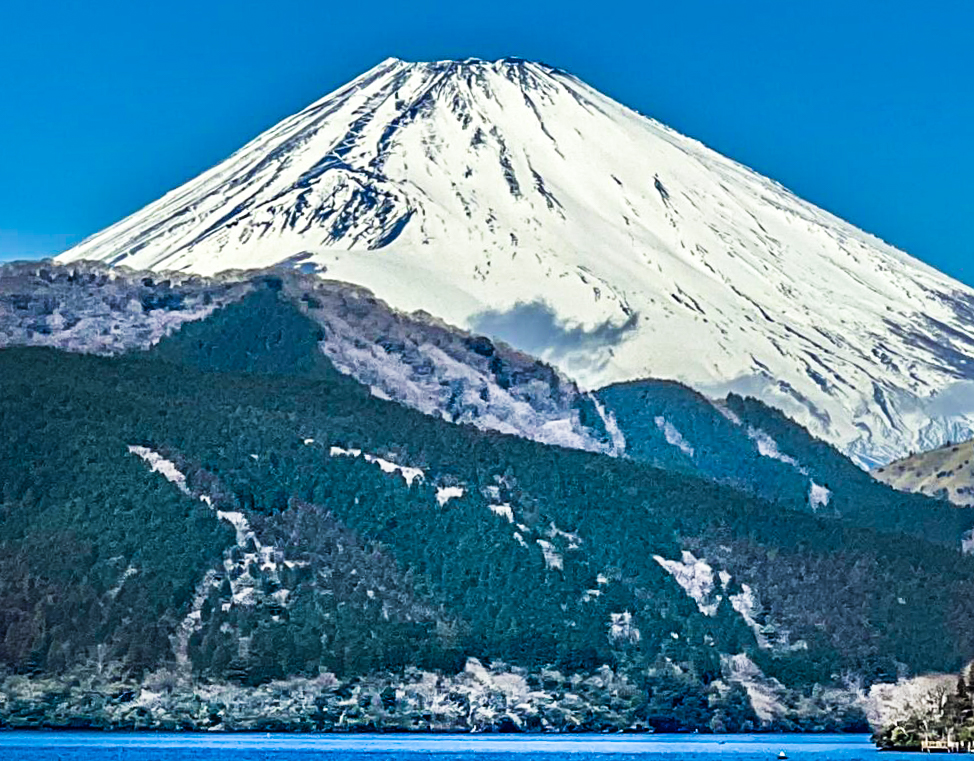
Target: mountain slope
(317,528)
(446,373)
(415,360)
(945,473)
(741,442)
(510,198)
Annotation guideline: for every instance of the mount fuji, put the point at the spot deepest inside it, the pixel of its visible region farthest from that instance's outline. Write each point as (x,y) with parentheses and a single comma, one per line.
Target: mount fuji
(511,199)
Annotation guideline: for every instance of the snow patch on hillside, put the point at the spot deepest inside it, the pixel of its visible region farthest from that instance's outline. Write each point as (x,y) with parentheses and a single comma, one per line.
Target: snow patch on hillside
(159,464)
(673,436)
(446,372)
(746,604)
(818,496)
(765,693)
(241,525)
(574,541)
(238,567)
(503,510)
(409,474)
(727,412)
(193,620)
(768,447)
(552,559)
(445,493)
(127,574)
(611,427)
(696,577)
(707,588)
(242,564)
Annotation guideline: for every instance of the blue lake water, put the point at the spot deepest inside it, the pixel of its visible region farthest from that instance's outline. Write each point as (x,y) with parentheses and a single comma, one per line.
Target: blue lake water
(85,746)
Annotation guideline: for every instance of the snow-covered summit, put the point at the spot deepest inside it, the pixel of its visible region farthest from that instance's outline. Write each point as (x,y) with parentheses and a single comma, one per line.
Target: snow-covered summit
(510,198)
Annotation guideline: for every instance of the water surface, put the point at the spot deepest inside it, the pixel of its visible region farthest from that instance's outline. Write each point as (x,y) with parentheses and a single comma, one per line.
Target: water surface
(88,746)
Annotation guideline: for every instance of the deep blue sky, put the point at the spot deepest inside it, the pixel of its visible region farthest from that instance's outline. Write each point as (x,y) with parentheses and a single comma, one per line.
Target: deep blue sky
(865,108)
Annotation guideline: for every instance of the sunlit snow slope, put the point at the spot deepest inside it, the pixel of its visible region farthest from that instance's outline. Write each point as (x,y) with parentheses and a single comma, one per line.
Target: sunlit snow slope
(512,199)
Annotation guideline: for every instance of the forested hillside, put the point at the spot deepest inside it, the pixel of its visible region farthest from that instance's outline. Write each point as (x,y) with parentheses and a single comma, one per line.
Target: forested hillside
(742,442)
(228,506)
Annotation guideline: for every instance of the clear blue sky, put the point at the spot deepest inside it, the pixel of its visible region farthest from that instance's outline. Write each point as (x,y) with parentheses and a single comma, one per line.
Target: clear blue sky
(863,107)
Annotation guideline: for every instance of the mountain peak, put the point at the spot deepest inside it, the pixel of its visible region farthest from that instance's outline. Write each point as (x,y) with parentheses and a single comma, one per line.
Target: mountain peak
(471,62)
(511,199)
(461,71)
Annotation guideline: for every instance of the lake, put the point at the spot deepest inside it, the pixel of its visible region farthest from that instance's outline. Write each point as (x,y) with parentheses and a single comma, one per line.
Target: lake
(87,746)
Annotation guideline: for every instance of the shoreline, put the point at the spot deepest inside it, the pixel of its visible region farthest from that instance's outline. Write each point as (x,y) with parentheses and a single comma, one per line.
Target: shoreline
(452,732)
(6,729)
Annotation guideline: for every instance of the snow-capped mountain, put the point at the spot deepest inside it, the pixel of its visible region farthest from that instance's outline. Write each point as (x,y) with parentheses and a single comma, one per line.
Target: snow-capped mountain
(512,199)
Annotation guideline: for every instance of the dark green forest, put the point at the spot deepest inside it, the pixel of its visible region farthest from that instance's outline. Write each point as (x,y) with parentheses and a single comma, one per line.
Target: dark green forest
(724,450)
(102,559)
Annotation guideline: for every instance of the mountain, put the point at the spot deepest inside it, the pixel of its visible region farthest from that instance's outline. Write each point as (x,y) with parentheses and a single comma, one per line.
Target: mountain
(945,473)
(463,378)
(741,442)
(511,199)
(248,538)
